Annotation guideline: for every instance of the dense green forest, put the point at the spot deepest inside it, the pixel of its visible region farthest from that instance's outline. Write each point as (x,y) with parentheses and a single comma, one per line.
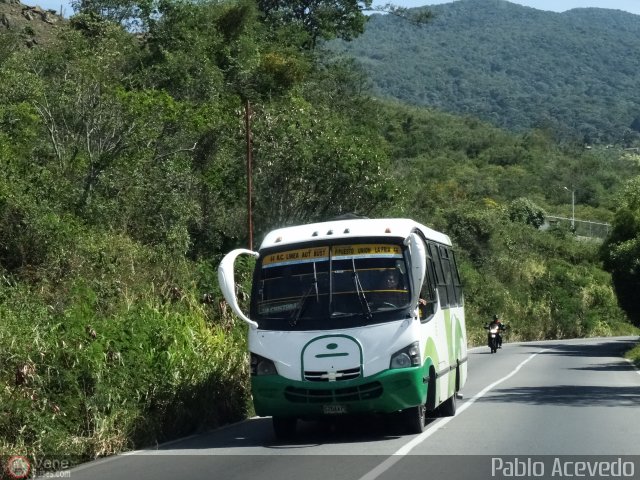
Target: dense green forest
(122,183)
(514,66)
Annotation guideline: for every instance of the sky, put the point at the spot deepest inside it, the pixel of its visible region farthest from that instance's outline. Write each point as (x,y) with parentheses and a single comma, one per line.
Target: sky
(632,6)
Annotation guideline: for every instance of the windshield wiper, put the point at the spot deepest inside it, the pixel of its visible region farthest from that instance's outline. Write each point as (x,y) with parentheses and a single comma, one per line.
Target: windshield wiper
(364,304)
(303,300)
(315,281)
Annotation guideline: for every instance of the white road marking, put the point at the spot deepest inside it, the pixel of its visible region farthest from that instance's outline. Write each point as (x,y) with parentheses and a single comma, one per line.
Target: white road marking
(405,449)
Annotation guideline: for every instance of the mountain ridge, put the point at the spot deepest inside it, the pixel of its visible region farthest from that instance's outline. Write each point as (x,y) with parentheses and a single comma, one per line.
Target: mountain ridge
(518,67)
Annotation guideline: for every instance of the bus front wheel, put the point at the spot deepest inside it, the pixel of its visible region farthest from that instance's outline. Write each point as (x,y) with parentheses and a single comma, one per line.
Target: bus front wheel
(415,418)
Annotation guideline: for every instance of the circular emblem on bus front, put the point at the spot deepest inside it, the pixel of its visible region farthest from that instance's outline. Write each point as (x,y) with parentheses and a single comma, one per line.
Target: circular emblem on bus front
(332,354)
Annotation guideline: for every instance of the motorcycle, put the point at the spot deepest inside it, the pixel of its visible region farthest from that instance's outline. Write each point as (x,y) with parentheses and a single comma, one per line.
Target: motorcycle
(494,339)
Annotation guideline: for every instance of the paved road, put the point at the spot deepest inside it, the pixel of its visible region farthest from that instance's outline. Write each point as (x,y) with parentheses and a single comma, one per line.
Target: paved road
(531,406)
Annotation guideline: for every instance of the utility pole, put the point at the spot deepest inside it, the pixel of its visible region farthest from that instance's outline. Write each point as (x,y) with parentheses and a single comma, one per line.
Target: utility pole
(573,208)
(247,126)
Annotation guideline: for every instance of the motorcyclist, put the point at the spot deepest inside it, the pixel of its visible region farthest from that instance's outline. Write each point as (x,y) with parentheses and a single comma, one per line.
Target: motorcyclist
(501,328)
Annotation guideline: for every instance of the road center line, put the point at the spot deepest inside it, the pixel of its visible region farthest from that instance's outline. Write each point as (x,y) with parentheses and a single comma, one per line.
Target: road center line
(405,449)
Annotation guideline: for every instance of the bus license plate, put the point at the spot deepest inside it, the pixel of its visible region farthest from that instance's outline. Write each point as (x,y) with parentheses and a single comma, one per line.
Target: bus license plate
(334,409)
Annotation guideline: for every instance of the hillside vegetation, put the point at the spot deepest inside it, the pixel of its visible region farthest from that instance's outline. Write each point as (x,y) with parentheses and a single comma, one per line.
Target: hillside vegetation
(122,184)
(489,190)
(517,67)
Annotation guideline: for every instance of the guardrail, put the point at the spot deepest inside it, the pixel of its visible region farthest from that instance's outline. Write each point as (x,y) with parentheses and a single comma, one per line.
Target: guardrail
(583,228)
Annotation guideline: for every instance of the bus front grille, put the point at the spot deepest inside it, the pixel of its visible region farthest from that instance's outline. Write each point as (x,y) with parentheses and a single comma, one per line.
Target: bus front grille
(348,374)
(367,391)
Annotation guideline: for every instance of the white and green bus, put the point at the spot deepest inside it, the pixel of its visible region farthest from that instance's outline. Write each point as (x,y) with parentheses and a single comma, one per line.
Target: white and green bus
(353,316)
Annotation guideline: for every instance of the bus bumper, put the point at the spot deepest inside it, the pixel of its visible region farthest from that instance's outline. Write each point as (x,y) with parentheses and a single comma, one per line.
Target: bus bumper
(385,392)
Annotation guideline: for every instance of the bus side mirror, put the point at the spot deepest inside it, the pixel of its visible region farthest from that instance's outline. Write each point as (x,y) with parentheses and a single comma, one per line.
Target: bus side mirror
(418,265)
(226,279)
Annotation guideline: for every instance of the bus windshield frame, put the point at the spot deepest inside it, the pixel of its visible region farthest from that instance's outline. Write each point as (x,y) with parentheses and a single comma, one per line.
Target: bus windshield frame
(332,286)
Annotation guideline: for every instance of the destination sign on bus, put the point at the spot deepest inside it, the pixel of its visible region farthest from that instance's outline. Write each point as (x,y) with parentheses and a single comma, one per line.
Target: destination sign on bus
(366,250)
(296,256)
(338,252)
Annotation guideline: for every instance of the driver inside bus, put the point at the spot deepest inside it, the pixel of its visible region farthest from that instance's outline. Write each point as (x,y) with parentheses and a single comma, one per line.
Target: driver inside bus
(392,289)
(391,279)
(392,284)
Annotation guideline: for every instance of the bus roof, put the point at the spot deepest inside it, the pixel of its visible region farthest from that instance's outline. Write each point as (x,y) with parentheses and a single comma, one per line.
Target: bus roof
(397,228)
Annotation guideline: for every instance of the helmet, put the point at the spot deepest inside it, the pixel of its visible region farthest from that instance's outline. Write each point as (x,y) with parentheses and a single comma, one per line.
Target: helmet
(495,316)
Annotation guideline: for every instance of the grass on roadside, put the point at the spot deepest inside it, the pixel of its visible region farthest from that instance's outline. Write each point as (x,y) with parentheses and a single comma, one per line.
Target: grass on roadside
(634,355)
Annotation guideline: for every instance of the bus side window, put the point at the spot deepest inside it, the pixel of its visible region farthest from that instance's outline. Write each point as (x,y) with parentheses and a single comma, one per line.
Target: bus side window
(448,275)
(456,280)
(441,282)
(427,306)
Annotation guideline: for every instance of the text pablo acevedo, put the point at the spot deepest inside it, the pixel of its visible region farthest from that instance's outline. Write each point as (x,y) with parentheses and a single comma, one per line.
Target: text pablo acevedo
(561,467)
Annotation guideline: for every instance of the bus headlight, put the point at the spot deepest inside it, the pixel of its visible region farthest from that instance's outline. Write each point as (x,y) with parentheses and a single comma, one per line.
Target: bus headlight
(262,366)
(407,357)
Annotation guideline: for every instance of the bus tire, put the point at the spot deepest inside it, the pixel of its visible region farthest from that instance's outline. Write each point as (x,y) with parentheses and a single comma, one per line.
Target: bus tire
(448,407)
(284,428)
(415,418)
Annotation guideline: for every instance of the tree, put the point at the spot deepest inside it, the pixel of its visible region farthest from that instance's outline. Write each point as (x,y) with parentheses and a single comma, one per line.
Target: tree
(621,250)
(132,14)
(524,210)
(312,163)
(324,19)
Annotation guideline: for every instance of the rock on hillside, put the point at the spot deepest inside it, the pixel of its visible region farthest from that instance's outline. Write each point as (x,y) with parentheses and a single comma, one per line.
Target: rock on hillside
(30,26)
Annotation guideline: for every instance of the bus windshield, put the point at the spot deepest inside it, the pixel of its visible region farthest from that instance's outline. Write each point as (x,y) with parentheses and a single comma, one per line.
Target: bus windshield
(322,287)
